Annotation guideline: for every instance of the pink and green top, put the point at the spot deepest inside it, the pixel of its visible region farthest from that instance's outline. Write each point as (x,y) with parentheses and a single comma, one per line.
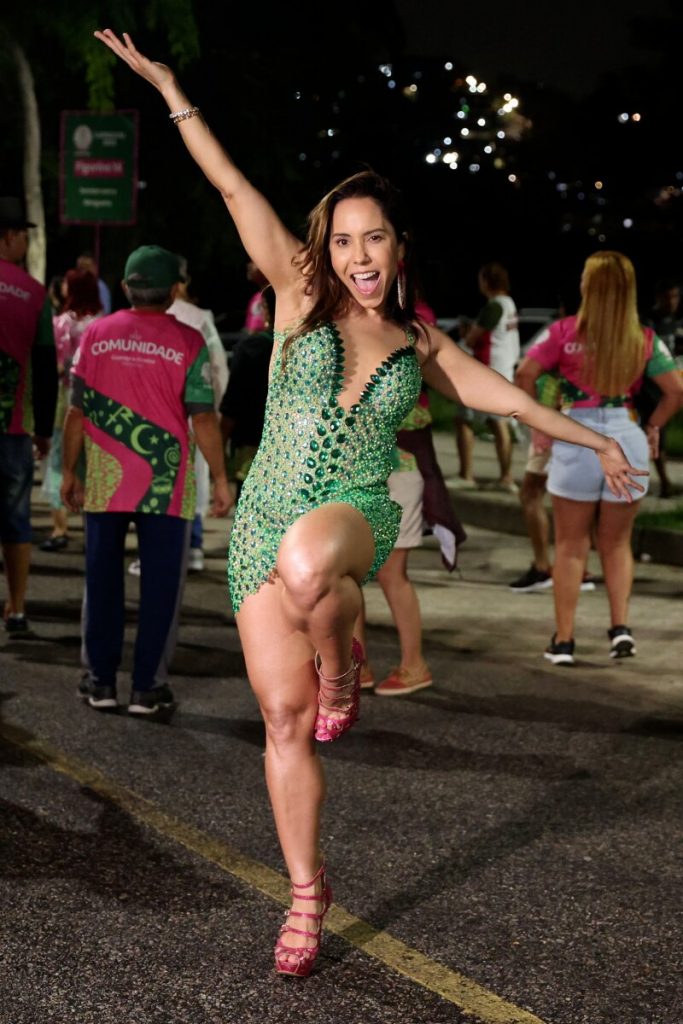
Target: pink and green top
(559,349)
(25,322)
(137,376)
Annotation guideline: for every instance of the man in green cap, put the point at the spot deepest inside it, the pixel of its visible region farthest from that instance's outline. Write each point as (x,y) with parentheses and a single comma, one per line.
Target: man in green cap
(137,377)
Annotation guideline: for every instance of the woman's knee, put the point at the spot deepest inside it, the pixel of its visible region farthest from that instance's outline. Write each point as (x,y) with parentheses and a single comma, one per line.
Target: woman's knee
(307,576)
(287,725)
(573,546)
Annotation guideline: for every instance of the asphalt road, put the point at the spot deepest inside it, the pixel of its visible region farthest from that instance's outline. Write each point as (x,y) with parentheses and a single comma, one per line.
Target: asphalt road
(504,847)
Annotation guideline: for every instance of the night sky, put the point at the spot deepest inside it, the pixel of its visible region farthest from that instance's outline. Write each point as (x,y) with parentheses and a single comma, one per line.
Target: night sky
(568,45)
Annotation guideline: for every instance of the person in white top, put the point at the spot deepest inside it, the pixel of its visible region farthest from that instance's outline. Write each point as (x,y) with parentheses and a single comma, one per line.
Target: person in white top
(202,320)
(493,339)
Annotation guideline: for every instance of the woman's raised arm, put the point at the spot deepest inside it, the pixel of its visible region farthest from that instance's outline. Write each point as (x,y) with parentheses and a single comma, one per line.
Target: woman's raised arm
(268,242)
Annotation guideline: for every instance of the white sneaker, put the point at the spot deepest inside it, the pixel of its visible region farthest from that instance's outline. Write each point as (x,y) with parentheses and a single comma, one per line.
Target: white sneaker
(134,568)
(195,561)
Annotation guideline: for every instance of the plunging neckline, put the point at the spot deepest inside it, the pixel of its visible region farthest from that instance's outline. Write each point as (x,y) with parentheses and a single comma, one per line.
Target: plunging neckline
(375,377)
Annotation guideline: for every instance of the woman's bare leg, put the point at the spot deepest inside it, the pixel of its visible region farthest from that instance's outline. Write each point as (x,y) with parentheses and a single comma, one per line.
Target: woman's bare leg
(60,522)
(572,520)
(464,439)
(312,604)
(532,497)
(615,527)
(405,610)
(280,667)
(501,435)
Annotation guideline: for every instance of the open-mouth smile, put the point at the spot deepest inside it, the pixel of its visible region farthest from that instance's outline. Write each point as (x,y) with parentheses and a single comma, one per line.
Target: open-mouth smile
(366,281)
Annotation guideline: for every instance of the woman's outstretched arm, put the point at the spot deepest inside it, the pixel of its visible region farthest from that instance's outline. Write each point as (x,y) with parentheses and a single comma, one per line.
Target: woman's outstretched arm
(458,376)
(268,242)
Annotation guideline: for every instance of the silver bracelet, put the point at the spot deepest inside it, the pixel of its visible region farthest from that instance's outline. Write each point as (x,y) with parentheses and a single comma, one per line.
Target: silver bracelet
(183,115)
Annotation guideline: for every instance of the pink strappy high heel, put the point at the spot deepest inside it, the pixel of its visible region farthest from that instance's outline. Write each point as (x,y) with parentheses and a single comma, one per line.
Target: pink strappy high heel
(338,698)
(297,962)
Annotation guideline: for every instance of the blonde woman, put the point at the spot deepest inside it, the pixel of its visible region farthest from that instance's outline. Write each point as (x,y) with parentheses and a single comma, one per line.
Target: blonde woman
(601,356)
(314,519)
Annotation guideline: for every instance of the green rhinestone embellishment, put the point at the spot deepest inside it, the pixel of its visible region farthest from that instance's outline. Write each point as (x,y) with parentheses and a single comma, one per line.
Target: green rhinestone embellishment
(314,446)
(321,430)
(310,461)
(326,414)
(327,443)
(308,479)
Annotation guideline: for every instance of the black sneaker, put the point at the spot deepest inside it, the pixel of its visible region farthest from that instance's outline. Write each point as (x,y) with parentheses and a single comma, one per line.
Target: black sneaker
(561,653)
(102,698)
(623,644)
(17,628)
(149,702)
(54,543)
(533,579)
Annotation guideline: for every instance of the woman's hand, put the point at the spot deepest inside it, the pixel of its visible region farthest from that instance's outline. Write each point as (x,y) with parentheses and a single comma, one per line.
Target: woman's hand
(159,75)
(540,442)
(619,472)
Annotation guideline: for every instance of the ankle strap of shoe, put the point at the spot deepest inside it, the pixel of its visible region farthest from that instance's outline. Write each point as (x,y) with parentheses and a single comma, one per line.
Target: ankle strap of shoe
(306,885)
(333,679)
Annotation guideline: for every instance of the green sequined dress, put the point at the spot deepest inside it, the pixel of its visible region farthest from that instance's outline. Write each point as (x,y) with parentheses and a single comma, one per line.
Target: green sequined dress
(314,452)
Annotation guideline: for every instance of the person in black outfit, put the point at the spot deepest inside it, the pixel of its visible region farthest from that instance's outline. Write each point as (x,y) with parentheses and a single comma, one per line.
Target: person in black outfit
(244,402)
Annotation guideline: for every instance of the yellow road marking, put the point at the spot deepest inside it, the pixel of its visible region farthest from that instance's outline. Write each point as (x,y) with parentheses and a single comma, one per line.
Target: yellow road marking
(466,994)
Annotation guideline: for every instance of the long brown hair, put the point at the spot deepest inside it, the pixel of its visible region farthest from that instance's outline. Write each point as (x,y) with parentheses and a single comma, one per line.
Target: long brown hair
(608,324)
(331,298)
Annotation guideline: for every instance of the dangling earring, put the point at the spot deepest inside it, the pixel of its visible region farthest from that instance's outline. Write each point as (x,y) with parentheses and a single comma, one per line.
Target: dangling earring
(401,285)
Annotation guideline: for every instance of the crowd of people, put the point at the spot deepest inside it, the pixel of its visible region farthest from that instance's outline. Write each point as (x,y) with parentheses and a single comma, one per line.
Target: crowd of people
(332,462)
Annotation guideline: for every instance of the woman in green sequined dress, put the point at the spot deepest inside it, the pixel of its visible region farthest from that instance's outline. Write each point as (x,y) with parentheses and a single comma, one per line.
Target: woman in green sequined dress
(315,519)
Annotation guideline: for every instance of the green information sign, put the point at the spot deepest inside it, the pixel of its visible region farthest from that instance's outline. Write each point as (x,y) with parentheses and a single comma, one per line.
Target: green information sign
(99,167)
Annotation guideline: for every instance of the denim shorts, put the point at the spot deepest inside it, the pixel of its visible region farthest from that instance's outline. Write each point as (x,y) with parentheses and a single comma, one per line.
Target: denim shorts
(16,480)
(575,472)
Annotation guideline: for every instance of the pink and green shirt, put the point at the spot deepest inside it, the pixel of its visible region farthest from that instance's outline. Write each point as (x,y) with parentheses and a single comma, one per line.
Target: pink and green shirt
(558,349)
(25,324)
(137,376)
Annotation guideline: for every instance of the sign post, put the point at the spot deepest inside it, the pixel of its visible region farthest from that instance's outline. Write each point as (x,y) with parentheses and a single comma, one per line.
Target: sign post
(99,173)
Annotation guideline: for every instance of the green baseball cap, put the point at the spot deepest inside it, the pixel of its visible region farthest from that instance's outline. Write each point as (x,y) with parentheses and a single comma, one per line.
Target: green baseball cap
(150,266)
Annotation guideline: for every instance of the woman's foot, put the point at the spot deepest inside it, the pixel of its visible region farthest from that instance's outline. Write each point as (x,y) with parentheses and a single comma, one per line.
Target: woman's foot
(401,681)
(367,677)
(338,698)
(299,940)
(622,644)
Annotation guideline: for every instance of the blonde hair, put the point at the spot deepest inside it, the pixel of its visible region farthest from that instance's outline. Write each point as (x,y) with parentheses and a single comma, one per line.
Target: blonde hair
(608,324)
